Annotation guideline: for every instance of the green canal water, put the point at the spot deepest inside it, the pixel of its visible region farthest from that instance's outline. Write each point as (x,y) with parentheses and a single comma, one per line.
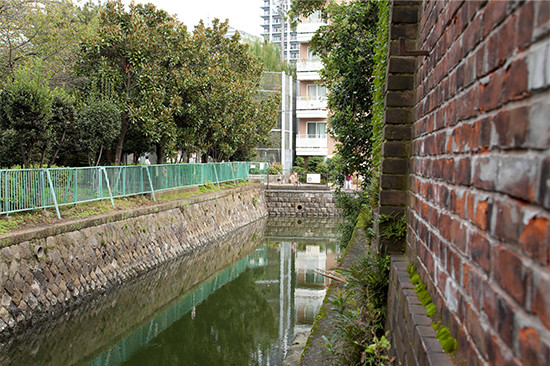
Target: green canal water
(240,301)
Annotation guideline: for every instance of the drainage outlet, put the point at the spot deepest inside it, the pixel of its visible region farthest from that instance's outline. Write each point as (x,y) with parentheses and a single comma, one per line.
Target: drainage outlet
(299,207)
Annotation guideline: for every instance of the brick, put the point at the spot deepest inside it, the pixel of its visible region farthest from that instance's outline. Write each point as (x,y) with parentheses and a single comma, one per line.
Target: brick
(480,250)
(403,30)
(395,198)
(468,104)
(485,173)
(505,323)
(518,176)
(398,182)
(401,82)
(400,99)
(535,238)
(544,185)
(515,81)
(395,149)
(542,16)
(392,132)
(510,273)
(404,14)
(448,170)
(495,12)
(397,115)
(497,354)
(507,34)
(473,324)
(394,166)
(482,213)
(511,127)
(490,91)
(539,126)
(540,301)
(402,64)
(491,59)
(481,63)
(463,171)
(472,34)
(529,346)
(525,25)
(536,66)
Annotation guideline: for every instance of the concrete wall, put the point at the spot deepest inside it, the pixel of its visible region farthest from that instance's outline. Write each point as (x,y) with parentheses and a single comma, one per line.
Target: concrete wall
(472,118)
(64,265)
(281,202)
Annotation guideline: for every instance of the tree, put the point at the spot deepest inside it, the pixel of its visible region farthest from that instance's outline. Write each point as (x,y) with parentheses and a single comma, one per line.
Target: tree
(99,122)
(346,48)
(269,55)
(130,60)
(221,116)
(46,30)
(26,109)
(63,126)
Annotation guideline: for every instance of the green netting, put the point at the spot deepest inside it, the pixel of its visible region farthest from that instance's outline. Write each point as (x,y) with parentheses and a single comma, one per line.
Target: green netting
(28,189)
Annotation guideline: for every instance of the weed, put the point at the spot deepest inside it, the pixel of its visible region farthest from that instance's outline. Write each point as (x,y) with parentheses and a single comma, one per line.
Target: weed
(394,228)
(443,334)
(360,312)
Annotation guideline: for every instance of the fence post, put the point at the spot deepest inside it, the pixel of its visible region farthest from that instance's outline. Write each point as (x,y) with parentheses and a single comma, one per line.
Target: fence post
(146,167)
(53,193)
(233,173)
(3,194)
(108,186)
(75,186)
(216,172)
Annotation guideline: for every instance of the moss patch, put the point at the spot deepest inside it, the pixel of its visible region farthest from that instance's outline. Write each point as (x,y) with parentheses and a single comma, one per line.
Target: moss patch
(443,334)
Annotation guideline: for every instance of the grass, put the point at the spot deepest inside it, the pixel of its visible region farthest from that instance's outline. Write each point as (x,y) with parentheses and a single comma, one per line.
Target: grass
(37,218)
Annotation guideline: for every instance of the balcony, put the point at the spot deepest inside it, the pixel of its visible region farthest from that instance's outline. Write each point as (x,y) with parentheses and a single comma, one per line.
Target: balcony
(308,69)
(306,30)
(311,145)
(311,107)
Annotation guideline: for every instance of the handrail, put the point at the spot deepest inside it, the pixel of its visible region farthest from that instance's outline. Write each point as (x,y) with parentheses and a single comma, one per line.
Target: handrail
(30,189)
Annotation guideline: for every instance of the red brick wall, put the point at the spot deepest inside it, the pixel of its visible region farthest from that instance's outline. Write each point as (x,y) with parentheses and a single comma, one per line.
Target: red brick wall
(479,184)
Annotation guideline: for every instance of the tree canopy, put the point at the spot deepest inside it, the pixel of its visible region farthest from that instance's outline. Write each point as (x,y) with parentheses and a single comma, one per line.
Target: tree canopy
(346,47)
(134,80)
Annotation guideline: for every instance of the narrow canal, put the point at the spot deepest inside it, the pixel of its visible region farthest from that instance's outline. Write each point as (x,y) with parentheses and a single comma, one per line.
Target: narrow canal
(241,301)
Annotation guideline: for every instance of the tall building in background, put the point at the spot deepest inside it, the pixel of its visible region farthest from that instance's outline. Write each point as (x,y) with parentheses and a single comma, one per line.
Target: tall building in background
(277,31)
(312,138)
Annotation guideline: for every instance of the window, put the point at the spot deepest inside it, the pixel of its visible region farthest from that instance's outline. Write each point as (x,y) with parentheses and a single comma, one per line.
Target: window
(311,56)
(315,17)
(314,90)
(316,130)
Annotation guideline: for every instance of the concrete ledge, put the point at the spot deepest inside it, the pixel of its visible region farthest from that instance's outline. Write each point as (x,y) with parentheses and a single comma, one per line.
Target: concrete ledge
(412,337)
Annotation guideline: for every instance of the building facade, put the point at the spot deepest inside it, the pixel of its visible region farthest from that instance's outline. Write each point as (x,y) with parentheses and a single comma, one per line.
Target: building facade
(312,138)
(277,31)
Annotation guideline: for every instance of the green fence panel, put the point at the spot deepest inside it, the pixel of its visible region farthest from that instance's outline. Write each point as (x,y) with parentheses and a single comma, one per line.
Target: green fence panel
(29,189)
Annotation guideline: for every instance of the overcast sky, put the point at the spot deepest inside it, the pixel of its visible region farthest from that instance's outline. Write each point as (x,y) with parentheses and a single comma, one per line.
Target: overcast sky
(242,14)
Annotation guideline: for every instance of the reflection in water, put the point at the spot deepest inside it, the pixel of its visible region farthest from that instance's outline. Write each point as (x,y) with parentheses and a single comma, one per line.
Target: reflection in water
(246,314)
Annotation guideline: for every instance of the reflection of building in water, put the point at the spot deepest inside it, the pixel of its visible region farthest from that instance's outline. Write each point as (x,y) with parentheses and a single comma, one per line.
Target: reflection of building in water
(310,288)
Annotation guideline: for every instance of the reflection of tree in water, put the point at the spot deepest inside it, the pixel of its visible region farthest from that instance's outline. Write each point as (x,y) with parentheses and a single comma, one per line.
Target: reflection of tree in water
(229,327)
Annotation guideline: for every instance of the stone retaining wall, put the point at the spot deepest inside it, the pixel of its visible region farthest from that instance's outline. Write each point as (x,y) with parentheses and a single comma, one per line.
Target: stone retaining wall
(67,263)
(300,203)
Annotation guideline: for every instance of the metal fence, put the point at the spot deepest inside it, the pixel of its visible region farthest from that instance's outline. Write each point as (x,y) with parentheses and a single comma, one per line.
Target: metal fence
(29,189)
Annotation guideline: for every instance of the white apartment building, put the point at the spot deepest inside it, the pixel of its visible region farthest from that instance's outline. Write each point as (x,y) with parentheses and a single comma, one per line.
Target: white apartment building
(312,138)
(279,32)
